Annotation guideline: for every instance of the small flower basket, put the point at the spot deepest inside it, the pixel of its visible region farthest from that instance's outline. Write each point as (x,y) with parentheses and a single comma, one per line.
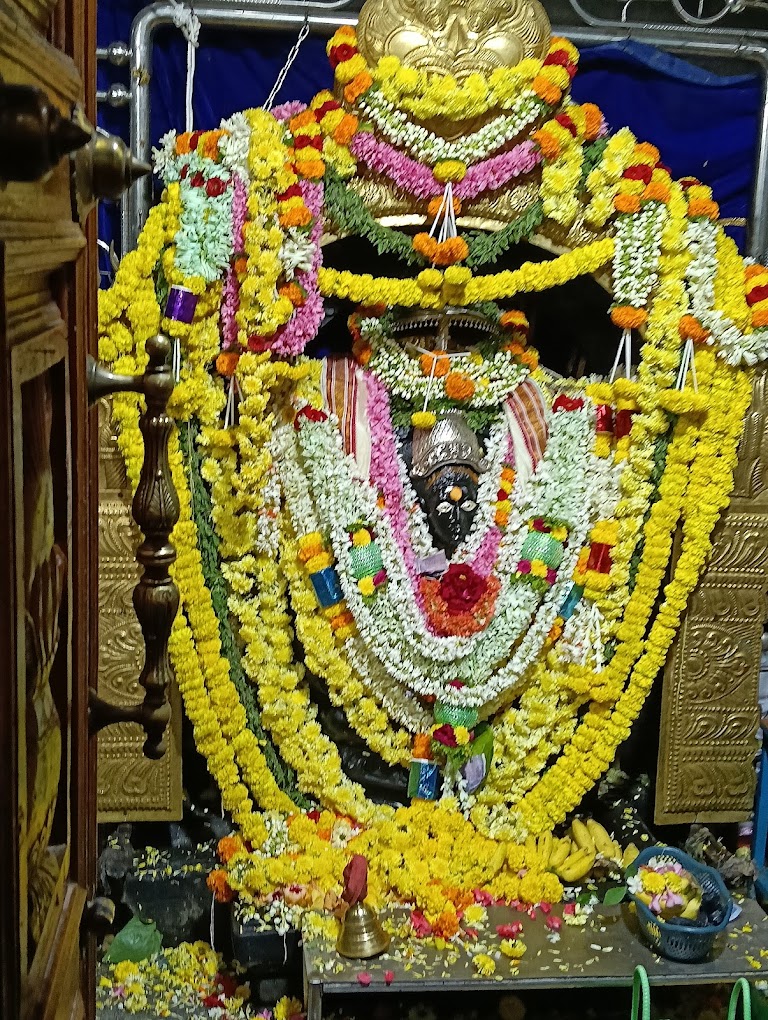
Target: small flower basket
(679,940)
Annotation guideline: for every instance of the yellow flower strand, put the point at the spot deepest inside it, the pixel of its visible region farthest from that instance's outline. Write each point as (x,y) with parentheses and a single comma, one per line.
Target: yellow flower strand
(709,485)
(433,289)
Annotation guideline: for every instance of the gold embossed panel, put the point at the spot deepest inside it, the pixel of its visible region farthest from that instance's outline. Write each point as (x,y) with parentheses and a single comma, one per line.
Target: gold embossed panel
(458,37)
(709,701)
(130,786)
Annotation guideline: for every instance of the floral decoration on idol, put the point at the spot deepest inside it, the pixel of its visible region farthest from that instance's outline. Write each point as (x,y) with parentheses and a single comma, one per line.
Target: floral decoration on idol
(503,669)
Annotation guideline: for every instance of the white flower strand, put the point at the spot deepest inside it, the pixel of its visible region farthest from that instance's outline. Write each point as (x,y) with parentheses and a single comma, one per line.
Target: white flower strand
(400,130)
(733,346)
(338,499)
(636,258)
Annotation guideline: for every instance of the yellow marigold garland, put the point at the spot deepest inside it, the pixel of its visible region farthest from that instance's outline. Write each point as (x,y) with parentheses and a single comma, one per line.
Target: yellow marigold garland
(432,288)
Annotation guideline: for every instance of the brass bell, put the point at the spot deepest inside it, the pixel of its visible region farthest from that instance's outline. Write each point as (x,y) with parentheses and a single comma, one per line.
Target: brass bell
(362,935)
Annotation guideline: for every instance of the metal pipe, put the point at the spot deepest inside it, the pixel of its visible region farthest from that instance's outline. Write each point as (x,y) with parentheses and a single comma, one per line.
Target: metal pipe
(693,42)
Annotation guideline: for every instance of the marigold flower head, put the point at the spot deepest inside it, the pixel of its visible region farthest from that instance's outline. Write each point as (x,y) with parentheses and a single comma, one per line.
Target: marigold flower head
(459,386)
(219,886)
(691,329)
(627,317)
(228,846)
(226,363)
(423,419)
(438,365)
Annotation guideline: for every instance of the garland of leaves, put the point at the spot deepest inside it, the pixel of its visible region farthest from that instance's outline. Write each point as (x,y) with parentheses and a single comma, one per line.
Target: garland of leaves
(347,211)
(208,544)
(593,154)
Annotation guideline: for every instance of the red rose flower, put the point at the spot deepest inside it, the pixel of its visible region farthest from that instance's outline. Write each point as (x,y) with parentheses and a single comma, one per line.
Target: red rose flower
(461,588)
(197,180)
(565,121)
(564,403)
(310,414)
(341,53)
(308,142)
(639,172)
(327,107)
(215,186)
(445,736)
(184,171)
(557,57)
(259,344)
(194,140)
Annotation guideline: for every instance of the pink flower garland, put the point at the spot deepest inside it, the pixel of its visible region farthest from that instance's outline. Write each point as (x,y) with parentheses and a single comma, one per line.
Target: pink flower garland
(303,325)
(231,294)
(288,110)
(385,477)
(419,180)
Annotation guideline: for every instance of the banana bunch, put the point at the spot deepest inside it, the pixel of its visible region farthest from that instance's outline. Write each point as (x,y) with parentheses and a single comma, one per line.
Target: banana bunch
(548,850)
(573,856)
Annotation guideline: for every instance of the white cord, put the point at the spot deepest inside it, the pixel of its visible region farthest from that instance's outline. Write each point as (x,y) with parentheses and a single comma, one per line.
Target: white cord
(185,19)
(289,60)
(687,364)
(625,348)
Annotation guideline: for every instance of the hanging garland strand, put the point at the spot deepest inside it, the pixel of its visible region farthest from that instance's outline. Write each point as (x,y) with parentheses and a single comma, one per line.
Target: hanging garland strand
(347,211)
(208,543)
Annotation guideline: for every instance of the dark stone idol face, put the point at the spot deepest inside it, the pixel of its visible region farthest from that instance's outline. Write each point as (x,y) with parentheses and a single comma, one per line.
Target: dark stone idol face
(449,499)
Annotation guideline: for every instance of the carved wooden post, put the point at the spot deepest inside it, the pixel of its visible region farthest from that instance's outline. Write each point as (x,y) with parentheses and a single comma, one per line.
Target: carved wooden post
(156,511)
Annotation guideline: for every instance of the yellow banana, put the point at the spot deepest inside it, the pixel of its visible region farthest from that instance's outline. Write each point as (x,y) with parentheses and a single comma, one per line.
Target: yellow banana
(577,865)
(629,855)
(602,840)
(544,847)
(582,837)
(691,912)
(560,852)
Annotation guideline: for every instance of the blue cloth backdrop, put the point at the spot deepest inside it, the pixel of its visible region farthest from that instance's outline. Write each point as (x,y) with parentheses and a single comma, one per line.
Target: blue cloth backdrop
(705,125)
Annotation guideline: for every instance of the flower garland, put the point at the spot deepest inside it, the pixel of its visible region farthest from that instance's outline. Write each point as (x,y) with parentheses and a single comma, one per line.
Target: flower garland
(424,183)
(603,729)
(346,210)
(426,96)
(427,147)
(433,289)
(461,380)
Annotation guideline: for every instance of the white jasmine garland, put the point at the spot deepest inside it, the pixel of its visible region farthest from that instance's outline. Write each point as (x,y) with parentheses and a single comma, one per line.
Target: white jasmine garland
(165,159)
(733,346)
(234,145)
(204,238)
(297,252)
(637,253)
(400,130)
(494,378)
(391,625)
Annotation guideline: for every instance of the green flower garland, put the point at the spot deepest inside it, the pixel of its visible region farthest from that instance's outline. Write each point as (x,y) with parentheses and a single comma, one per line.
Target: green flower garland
(209,553)
(347,211)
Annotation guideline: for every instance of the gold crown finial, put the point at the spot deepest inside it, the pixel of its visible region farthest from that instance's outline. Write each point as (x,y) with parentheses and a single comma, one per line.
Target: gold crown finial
(453,37)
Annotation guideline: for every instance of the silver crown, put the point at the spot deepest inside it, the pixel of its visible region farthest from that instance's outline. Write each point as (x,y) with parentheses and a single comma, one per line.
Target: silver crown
(449,442)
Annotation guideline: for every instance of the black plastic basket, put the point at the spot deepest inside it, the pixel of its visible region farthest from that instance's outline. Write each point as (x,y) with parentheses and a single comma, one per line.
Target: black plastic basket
(678,941)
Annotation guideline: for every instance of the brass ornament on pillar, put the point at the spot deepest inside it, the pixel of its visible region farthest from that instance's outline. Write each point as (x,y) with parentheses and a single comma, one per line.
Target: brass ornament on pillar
(34,136)
(156,511)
